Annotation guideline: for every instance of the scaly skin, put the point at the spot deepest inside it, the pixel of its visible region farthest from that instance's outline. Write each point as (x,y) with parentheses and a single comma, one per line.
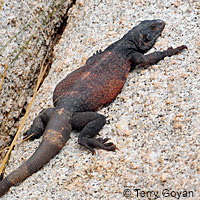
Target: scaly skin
(81,93)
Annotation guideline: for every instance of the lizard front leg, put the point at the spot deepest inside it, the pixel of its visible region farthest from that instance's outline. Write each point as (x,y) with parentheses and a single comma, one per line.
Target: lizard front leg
(37,128)
(90,123)
(153,58)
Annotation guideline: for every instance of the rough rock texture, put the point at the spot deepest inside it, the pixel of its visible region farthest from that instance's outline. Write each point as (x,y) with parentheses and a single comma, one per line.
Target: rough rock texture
(29,30)
(154,121)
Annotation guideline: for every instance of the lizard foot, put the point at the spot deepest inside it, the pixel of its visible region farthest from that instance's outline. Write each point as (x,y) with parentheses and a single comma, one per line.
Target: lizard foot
(33,133)
(91,143)
(173,51)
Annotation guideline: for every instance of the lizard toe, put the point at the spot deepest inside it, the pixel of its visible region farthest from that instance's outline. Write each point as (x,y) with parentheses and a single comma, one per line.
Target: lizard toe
(181,48)
(102,140)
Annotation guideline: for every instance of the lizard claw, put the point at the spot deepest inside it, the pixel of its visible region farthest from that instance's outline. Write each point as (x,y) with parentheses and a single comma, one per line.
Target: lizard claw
(91,143)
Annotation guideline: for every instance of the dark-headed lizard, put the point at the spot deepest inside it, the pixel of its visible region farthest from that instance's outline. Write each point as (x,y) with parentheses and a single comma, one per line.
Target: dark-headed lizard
(78,96)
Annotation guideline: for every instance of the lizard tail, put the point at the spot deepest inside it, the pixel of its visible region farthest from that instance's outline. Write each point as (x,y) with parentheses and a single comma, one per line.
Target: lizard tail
(56,134)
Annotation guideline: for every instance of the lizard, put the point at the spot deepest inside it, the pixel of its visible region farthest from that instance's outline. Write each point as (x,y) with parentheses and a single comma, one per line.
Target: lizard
(81,93)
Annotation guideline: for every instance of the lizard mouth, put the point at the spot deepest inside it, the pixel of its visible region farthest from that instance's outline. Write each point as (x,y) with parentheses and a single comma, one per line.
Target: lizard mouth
(162,26)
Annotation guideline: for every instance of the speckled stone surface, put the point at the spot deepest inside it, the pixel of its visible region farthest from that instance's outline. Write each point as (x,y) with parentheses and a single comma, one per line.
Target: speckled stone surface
(27,35)
(154,121)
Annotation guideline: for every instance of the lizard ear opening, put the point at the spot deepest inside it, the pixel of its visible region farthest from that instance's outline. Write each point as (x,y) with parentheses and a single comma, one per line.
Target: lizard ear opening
(147,37)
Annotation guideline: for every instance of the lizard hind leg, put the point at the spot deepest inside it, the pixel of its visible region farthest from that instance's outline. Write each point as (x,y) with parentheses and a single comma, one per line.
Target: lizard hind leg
(90,123)
(37,128)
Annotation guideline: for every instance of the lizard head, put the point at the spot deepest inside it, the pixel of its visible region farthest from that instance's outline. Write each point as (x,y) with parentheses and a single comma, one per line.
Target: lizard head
(146,33)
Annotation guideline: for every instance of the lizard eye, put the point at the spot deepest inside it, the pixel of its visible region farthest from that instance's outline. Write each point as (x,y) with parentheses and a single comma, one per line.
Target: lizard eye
(153,27)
